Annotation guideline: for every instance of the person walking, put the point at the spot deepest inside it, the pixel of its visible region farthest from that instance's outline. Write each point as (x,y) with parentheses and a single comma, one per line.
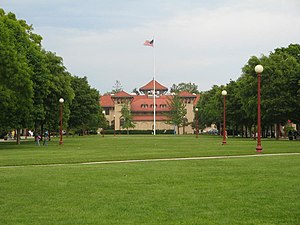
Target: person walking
(46,138)
(37,140)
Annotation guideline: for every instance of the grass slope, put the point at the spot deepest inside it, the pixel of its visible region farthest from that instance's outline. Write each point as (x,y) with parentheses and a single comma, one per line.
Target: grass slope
(258,190)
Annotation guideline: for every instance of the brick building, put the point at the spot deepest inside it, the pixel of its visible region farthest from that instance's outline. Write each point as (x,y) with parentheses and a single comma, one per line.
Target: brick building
(142,108)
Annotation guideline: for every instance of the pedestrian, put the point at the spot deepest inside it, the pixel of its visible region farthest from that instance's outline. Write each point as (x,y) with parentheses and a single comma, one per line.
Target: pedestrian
(37,140)
(46,138)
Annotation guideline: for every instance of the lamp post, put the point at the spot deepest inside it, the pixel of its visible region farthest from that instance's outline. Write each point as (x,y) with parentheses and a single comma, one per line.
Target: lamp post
(61,101)
(224,93)
(197,128)
(114,125)
(183,130)
(258,69)
(103,112)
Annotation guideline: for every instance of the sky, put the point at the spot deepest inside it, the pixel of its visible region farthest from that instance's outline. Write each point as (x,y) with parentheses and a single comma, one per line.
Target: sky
(205,42)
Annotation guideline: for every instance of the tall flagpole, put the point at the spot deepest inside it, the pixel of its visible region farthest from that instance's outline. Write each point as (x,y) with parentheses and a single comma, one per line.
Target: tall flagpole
(151,43)
(154,94)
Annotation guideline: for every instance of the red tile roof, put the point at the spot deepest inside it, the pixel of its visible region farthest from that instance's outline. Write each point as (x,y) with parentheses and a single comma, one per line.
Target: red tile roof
(149,118)
(121,94)
(150,86)
(197,99)
(139,100)
(142,103)
(187,94)
(106,101)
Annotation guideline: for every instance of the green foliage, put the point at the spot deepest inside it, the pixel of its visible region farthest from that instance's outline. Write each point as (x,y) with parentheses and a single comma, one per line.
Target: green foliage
(84,111)
(32,79)
(279,92)
(177,113)
(127,117)
(117,87)
(210,106)
(189,87)
(16,87)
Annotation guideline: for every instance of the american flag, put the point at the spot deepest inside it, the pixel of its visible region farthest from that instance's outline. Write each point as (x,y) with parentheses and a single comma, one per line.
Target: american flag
(149,43)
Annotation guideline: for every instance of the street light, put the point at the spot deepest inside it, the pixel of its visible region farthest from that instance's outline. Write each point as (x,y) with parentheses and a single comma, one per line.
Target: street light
(114,125)
(103,112)
(258,69)
(224,93)
(183,130)
(197,128)
(61,101)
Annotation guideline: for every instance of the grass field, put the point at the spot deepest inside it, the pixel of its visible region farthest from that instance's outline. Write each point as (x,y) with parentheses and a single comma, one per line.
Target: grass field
(252,190)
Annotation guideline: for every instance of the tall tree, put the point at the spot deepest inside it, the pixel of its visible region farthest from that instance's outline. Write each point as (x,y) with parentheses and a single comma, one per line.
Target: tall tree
(177,113)
(60,87)
(16,87)
(189,87)
(127,117)
(117,87)
(210,106)
(290,67)
(84,111)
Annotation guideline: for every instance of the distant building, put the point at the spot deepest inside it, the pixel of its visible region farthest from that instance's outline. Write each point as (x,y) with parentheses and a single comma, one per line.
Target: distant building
(142,108)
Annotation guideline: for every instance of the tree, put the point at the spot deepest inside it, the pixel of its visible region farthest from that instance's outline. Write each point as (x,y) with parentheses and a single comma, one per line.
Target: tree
(234,113)
(290,67)
(84,111)
(189,87)
(127,117)
(60,87)
(117,87)
(280,92)
(103,123)
(177,113)
(16,87)
(210,106)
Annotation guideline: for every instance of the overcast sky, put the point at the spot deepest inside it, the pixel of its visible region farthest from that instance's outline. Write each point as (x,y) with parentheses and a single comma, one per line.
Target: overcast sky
(205,42)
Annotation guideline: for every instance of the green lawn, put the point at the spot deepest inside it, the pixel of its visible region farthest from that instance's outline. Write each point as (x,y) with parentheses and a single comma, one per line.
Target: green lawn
(258,190)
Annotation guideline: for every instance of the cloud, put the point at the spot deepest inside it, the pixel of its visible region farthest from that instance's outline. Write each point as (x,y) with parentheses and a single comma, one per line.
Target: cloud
(206,42)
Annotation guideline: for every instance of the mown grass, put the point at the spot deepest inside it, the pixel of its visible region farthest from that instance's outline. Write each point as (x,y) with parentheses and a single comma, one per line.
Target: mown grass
(96,148)
(258,190)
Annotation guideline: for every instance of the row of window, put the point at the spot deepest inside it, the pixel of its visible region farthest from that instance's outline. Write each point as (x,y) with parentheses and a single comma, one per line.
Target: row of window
(145,106)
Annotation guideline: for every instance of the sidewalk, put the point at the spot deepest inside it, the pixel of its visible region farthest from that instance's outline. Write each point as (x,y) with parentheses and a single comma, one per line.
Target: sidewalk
(13,140)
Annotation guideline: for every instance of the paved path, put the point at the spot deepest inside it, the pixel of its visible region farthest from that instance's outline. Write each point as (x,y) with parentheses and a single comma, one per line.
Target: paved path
(158,160)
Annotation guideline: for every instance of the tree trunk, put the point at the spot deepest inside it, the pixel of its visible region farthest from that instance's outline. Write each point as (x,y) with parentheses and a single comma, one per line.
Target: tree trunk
(18,136)
(25,133)
(254,132)
(49,133)
(42,131)
(277,131)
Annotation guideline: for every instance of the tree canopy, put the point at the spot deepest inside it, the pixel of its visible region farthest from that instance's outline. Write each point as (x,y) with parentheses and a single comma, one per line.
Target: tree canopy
(280,92)
(189,87)
(127,117)
(33,80)
(177,113)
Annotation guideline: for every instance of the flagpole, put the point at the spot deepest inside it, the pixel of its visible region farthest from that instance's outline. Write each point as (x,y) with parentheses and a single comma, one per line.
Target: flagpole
(154,94)
(151,43)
